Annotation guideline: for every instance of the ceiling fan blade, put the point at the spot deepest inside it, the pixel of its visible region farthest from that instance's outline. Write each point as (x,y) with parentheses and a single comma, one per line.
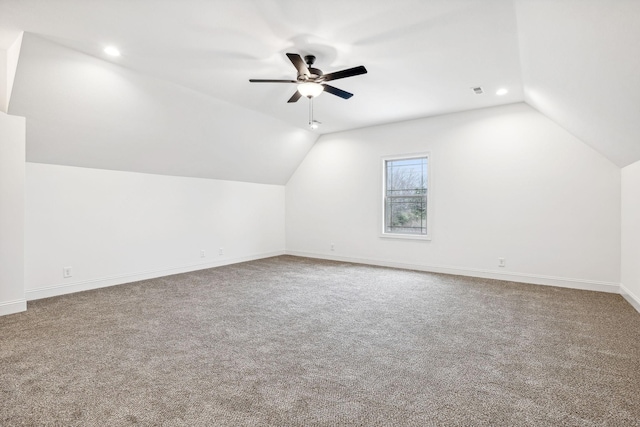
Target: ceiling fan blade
(271,81)
(299,64)
(337,92)
(350,72)
(295,97)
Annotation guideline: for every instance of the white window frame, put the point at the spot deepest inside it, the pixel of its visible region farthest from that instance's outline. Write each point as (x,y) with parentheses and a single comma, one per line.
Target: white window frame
(383,232)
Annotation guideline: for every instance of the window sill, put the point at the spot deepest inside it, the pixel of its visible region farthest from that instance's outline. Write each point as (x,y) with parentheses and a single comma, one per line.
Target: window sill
(404,236)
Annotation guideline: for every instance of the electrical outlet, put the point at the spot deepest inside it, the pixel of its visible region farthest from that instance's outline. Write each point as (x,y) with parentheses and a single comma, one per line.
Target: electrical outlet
(221,251)
(501,262)
(67,272)
(333,247)
(203,254)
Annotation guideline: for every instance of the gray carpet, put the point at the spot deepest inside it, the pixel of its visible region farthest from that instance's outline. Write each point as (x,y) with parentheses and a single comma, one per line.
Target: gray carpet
(294,341)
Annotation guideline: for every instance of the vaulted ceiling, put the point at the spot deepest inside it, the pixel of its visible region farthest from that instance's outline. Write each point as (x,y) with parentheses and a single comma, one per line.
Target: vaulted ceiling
(576,61)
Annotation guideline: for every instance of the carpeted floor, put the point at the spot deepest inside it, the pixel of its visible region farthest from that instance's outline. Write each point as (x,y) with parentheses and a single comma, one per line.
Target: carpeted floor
(292,341)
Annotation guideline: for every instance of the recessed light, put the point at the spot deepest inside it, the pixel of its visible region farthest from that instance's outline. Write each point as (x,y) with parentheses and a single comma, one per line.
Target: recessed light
(112,51)
(502,91)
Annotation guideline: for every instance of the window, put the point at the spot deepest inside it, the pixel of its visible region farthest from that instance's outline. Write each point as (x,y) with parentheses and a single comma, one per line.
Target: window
(406,197)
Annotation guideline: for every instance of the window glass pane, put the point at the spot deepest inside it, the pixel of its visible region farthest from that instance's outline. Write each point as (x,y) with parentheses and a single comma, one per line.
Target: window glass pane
(407,215)
(406,196)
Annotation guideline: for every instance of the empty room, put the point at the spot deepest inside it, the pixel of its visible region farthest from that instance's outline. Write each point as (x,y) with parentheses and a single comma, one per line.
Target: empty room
(302,213)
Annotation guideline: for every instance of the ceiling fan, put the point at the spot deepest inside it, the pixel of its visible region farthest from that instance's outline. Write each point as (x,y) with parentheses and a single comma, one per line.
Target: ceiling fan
(311,81)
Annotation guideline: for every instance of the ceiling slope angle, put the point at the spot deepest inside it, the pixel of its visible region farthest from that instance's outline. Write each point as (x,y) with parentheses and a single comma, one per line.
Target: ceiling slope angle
(87,112)
(572,60)
(422,57)
(581,68)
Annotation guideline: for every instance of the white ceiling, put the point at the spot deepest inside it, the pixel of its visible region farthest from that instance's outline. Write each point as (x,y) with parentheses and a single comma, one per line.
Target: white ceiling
(83,111)
(574,60)
(422,56)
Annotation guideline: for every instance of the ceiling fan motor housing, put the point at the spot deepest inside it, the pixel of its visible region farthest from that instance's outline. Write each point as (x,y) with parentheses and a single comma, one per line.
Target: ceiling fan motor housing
(314,72)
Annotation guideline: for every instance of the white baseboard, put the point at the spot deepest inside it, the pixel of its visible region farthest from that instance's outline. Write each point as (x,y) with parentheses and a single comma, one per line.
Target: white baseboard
(17,306)
(631,298)
(589,285)
(12,307)
(102,282)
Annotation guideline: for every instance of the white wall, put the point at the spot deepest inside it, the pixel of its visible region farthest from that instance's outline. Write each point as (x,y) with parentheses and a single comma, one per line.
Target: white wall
(8,64)
(12,177)
(507,182)
(114,227)
(4,87)
(631,234)
(12,57)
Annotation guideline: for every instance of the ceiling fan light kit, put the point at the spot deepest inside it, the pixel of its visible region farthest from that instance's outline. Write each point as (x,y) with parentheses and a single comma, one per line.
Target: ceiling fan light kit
(312,81)
(310,89)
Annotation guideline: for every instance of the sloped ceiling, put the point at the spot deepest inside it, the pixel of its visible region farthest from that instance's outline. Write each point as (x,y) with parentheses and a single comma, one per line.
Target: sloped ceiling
(581,68)
(573,60)
(83,111)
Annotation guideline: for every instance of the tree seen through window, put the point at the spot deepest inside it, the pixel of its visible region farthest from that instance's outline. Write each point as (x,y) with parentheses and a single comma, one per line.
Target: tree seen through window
(406,185)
